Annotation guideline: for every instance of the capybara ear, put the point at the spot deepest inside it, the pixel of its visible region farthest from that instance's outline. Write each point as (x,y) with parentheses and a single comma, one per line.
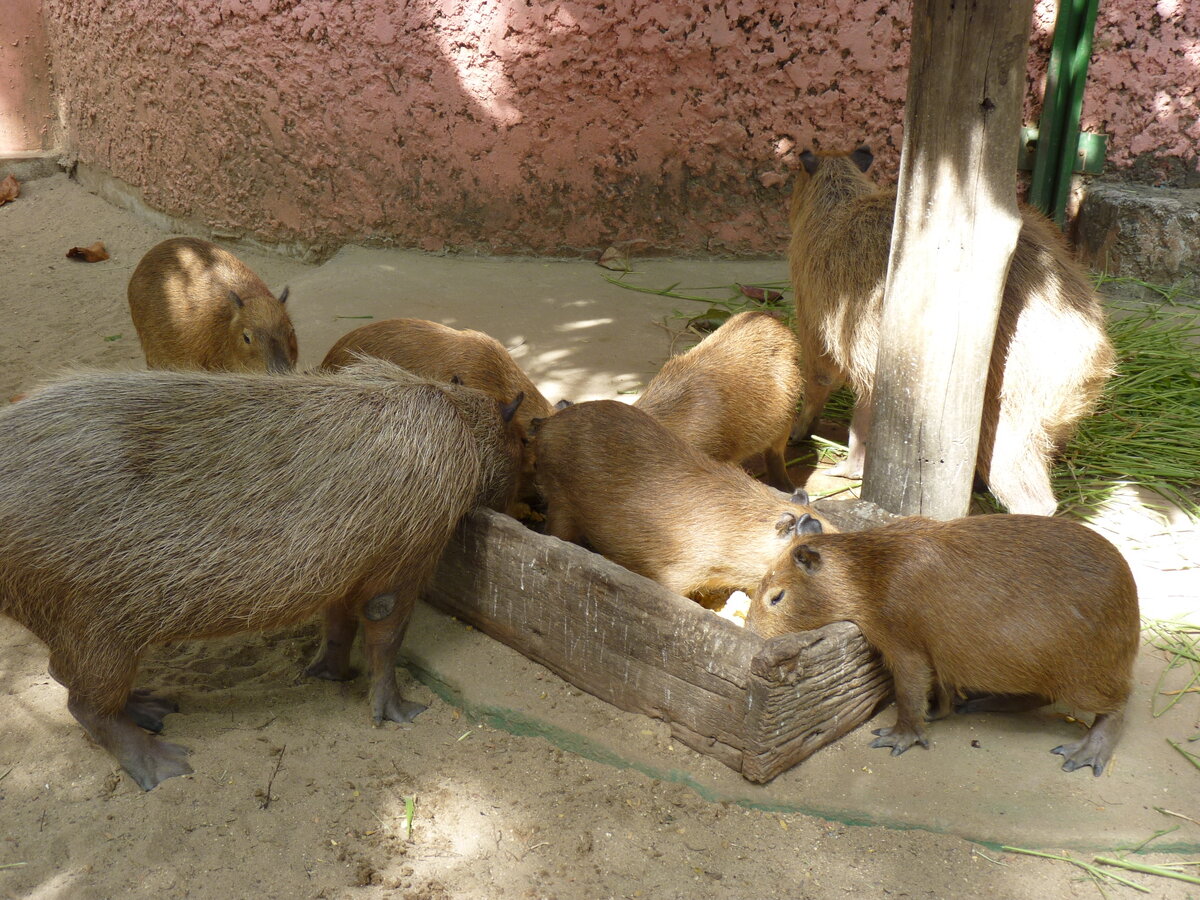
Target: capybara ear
(535,425)
(806,524)
(806,558)
(800,496)
(862,157)
(563,404)
(786,523)
(809,160)
(236,300)
(283,295)
(456,379)
(509,410)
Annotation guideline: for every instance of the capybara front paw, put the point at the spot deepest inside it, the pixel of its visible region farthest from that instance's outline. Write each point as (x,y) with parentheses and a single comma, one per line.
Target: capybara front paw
(898,739)
(1080,754)
(157,761)
(147,709)
(402,711)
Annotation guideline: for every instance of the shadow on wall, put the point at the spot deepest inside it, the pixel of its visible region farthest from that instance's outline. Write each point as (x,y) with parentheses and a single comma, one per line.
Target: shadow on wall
(555,128)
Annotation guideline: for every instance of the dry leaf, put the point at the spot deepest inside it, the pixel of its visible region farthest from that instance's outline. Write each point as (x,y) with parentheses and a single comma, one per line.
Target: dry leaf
(760,294)
(94,253)
(10,189)
(613,259)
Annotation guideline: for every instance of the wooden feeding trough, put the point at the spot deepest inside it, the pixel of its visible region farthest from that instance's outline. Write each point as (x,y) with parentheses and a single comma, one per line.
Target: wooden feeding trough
(759,706)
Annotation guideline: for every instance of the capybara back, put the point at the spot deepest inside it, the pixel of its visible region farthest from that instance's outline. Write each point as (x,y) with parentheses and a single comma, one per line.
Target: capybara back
(734,394)
(197,306)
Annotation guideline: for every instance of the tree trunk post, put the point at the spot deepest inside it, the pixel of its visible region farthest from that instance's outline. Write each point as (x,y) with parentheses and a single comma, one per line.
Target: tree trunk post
(955,230)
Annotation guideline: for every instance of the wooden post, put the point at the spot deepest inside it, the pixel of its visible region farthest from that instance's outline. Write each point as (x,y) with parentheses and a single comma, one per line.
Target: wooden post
(955,230)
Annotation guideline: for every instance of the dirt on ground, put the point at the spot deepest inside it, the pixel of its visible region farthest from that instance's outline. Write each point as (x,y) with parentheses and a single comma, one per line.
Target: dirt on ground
(295,794)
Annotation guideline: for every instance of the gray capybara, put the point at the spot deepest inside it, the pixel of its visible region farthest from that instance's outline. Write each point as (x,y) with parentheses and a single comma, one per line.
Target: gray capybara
(1050,359)
(143,507)
(734,394)
(1017,611)
(197,306)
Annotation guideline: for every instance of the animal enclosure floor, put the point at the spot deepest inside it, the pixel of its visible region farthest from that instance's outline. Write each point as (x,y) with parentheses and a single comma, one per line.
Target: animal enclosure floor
(521,786)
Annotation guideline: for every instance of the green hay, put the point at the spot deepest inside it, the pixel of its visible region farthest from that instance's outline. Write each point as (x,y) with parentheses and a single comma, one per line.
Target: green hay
(1145,431)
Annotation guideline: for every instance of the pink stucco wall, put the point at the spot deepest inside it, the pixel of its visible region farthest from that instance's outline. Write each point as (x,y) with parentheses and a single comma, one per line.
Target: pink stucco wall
(27,122)
(547,126)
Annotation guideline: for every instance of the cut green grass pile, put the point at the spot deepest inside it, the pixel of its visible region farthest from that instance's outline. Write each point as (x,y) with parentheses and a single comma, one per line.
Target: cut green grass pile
(1144,433)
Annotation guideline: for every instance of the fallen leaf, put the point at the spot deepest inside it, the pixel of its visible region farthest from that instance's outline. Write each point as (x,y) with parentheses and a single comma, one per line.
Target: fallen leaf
(94,253)
(613,259)
(10,189)
(762,295)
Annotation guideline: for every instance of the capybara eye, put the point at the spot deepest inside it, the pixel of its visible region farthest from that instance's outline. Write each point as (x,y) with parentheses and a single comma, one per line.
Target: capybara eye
(774,601)
(246,336)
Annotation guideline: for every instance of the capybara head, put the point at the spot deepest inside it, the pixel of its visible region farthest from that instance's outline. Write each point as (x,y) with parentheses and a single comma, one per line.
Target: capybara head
(794,594)
(260,336)
(821,173)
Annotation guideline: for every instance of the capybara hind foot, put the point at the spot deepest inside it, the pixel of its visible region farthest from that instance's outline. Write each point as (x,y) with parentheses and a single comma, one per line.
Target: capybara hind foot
(899,739)
(147,709)
(333,662)
(147,759)
(398,710)
(975,703)
(1095,748)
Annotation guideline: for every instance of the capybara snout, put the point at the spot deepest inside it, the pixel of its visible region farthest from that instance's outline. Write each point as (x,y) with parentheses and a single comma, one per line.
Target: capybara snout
(197,306)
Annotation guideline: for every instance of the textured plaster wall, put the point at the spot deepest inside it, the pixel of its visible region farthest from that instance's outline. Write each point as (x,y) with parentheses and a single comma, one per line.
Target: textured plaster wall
(26,120)
(517,125)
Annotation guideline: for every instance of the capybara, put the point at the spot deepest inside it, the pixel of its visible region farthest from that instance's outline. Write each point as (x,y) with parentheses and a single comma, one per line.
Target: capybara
(197,306)
(1051,355)
(1016,611)
(647,500)
(734,394)
(143,507)
(442,353)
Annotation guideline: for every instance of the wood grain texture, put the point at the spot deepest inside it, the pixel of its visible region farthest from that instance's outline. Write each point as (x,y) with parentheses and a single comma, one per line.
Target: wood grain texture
(631,642)
(955,230)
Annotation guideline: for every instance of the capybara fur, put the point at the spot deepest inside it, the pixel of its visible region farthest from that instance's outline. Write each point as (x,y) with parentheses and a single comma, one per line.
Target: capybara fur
(143,507)
(647,500)
(1051,355)
(734,394)
(197,306)
(1014,611)
(443,353)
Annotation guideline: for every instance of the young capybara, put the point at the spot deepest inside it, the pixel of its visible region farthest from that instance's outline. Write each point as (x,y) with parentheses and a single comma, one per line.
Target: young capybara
(143,507)
(1016,611)
(197,306)
(652,503)
(443,353)
(1051,355)
(734,394)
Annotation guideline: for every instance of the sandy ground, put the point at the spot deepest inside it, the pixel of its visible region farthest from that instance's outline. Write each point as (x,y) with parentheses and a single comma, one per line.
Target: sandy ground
(296,795)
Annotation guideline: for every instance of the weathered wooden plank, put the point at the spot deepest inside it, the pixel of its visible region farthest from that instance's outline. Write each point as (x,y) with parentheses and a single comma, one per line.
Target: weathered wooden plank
(807,690)
(759,707)
(610,632)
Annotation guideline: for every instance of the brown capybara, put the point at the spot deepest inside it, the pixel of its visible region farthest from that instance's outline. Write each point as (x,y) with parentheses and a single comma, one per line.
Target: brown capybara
(1051,355)
(644,498)
(197,306)
(1016,611)
(143,507)
(442,353)
(734,394)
